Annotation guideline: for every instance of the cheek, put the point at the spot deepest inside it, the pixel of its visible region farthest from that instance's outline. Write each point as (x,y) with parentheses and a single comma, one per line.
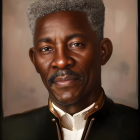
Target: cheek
(93,65)
(89,63)
(89,59)
(92,69)
(42,65)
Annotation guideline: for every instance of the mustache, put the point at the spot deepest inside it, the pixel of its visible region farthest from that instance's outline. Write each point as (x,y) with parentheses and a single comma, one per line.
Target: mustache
(64,73)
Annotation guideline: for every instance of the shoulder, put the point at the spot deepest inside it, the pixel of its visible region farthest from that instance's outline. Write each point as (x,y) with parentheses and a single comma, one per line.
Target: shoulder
(116,109)
(18,126)
(123,119)
(123,111)
(116,121)
(26,116)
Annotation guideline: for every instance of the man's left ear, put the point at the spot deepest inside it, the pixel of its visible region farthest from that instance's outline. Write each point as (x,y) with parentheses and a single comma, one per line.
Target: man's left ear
(106,49)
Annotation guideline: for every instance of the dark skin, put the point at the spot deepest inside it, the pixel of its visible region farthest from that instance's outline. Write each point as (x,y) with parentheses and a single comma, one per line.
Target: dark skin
(65,41)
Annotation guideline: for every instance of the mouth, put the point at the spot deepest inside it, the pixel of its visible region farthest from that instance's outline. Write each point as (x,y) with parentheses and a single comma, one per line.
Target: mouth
(63,81)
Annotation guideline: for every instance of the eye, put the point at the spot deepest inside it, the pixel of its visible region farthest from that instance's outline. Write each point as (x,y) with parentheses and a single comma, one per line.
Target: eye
(76,45)
(45,49)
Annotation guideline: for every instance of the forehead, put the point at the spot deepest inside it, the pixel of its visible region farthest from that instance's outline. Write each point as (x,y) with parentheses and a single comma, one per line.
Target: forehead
(62,23)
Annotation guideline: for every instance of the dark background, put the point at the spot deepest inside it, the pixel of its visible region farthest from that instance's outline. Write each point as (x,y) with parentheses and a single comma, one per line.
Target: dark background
(139,56)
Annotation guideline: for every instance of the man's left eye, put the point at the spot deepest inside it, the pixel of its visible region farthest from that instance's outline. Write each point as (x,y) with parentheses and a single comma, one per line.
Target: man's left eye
(76,45)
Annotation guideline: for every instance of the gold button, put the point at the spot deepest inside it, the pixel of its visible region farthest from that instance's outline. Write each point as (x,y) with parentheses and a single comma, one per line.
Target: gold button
(96,107)
(53,120)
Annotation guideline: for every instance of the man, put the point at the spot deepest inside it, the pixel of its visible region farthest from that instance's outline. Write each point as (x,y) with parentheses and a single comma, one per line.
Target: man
(68,52)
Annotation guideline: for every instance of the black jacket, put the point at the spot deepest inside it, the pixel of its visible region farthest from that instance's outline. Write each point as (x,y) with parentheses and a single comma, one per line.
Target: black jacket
(112,122)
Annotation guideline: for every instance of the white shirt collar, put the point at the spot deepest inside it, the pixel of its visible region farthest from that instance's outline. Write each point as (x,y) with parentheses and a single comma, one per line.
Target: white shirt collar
(75,122)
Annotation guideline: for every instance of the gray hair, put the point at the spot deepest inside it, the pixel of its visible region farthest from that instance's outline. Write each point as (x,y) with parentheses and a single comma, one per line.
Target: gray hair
(94,10)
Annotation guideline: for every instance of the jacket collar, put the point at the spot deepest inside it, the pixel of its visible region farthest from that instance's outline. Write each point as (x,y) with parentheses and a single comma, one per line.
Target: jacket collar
(98,105)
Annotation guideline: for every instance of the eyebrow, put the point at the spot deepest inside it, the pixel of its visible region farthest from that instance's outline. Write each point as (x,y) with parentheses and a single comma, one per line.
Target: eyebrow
(44,40)
(75,35)
(68,37)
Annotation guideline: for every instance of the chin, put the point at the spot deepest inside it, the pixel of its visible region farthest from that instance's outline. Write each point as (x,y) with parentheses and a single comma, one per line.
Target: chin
(67,98)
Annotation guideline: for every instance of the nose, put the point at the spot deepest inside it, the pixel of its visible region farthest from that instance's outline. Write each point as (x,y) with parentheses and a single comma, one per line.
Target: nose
(62,60)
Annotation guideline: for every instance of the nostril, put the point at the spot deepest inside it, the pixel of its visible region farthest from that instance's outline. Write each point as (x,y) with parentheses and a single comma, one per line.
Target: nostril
(54,67)
(67,66)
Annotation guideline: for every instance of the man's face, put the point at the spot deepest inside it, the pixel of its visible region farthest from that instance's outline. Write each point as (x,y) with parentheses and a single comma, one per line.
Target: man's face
(67,56)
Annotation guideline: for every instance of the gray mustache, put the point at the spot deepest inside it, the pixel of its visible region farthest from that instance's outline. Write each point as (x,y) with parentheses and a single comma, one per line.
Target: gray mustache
(64,73)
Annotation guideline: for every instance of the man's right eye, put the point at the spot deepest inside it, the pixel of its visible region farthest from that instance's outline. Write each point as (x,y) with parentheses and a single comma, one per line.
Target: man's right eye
(45,49)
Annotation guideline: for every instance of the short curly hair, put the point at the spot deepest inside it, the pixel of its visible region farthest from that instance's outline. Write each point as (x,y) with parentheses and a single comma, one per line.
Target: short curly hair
(94,10)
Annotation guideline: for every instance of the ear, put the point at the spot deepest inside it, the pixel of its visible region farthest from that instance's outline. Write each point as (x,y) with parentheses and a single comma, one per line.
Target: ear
(31,55)
(106,49)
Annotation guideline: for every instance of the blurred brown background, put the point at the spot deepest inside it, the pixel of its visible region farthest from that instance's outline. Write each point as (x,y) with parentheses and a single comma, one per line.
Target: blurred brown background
(22,87)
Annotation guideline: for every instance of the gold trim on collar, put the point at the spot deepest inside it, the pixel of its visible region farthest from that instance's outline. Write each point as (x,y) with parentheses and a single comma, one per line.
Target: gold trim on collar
(98,105)
(52,109)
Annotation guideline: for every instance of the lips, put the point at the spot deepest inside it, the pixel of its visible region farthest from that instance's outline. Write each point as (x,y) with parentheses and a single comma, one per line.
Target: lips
(65,80)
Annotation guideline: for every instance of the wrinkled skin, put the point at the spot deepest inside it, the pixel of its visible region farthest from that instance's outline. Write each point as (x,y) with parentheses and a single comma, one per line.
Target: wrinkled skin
(65,41)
